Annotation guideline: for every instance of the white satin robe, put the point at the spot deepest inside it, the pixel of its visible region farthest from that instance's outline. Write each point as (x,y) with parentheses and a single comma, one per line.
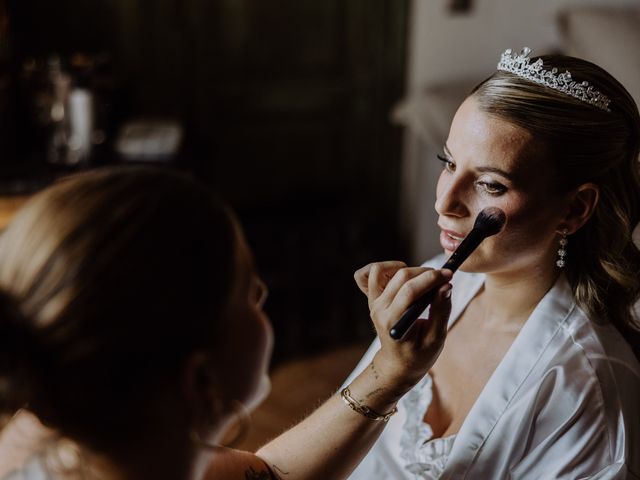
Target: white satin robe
(564,402)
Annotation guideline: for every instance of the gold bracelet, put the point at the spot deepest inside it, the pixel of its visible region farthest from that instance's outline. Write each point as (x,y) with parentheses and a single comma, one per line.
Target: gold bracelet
(363,409)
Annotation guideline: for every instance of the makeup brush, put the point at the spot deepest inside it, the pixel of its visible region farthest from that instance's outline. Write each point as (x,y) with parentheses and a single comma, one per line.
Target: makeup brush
(488,222)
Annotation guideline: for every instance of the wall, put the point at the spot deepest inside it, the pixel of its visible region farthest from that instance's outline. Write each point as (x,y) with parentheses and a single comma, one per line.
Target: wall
(444,49)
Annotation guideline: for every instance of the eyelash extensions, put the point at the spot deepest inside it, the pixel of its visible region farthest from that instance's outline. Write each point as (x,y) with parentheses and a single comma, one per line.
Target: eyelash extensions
(444,160)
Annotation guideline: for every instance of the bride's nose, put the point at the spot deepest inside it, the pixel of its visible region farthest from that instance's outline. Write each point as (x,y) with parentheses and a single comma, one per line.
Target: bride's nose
(450,196)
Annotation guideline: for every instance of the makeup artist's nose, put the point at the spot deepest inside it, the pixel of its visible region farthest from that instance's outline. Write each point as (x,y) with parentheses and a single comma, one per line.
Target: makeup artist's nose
(450,197)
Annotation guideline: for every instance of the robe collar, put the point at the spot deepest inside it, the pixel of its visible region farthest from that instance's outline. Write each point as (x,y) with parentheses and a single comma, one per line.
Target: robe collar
(538,331)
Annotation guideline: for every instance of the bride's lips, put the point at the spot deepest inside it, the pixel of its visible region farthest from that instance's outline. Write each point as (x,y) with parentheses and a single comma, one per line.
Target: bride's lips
(450,240)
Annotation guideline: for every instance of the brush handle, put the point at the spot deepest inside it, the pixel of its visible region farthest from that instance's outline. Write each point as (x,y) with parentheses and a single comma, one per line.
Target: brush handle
(466,248)
(457,258)
(411,314)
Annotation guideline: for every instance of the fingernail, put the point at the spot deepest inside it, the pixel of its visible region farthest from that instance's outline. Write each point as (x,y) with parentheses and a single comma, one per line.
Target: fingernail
(447,294)
(446,290)
(447,273)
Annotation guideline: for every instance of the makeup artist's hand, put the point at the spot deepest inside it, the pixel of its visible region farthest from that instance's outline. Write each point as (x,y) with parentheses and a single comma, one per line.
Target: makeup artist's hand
(330,442)
(391,287)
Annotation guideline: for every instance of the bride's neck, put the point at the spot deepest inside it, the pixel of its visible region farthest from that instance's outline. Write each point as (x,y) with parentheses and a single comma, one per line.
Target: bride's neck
(509,299)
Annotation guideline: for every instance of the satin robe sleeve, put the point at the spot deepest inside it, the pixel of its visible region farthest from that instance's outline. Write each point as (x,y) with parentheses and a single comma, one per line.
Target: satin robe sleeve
(566,432)
(574,414)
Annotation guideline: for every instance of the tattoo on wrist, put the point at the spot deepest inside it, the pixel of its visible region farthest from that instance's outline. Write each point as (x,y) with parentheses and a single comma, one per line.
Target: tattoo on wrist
(375,372)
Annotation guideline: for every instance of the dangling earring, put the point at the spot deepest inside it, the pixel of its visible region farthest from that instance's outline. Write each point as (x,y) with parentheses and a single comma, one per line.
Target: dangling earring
(244,423)
(562,251)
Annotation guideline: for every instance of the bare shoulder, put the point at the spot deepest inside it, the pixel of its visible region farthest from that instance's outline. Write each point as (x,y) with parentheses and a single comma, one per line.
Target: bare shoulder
(230,464)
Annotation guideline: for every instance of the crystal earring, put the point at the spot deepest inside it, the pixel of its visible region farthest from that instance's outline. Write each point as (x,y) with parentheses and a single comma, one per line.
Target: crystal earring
(562,251)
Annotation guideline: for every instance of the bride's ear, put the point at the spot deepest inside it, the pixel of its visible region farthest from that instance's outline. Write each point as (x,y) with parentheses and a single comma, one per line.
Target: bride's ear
(582,204)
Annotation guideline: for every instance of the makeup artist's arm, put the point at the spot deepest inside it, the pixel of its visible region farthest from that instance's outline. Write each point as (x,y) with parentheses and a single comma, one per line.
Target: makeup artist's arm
(332,441)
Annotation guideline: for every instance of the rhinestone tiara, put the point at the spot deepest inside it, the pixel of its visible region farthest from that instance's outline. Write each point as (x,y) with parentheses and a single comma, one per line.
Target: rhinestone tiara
(521,66)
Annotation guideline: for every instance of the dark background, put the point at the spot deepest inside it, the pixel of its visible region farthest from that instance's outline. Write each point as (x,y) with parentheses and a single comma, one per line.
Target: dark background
(285,106)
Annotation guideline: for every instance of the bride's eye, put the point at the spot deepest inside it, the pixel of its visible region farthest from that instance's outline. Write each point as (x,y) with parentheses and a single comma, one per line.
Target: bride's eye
(447,164)
(492,188)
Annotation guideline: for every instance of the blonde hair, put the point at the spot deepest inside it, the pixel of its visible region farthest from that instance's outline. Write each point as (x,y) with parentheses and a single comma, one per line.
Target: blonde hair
(109,279)
(585,144)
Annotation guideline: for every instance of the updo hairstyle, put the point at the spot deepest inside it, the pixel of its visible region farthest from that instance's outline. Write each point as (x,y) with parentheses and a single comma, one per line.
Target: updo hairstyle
(583,143)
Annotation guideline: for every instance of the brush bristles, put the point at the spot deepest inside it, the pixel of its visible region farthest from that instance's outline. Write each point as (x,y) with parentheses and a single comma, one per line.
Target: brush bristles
(490,220)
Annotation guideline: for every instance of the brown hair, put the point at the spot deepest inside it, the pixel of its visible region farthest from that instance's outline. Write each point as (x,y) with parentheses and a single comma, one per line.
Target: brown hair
(586,144)
(109,279)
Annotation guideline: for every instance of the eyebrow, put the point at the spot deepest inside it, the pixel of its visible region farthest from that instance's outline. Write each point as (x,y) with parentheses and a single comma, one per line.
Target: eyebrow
(495,170)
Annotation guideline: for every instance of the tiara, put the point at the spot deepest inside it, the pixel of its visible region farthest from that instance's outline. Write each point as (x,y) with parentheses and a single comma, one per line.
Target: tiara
(521,66)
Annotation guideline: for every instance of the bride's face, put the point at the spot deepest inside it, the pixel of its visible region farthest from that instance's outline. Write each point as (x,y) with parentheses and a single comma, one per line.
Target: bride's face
(490,162)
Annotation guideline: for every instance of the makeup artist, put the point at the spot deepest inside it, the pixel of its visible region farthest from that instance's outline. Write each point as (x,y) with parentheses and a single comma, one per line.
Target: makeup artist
(538,377)
(139,346)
